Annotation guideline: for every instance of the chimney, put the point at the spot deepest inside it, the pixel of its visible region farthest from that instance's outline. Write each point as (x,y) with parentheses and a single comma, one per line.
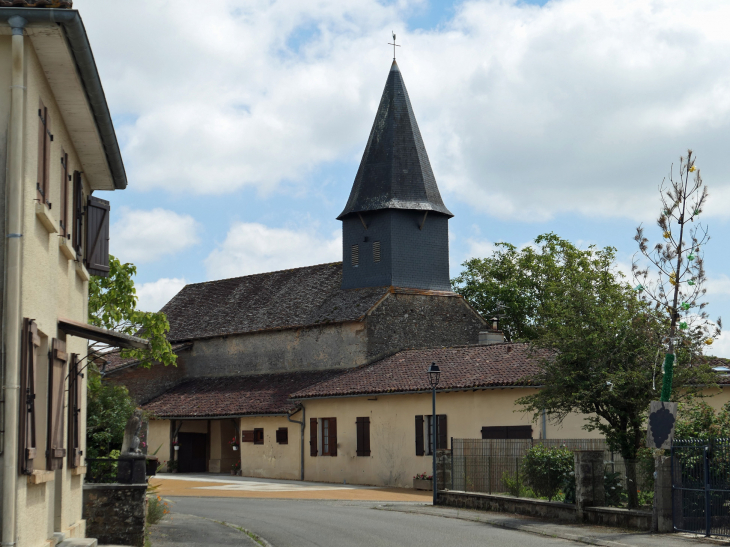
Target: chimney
(492,335)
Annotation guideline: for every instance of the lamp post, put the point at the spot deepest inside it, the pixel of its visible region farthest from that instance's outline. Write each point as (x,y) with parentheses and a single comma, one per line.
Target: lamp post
(433,378)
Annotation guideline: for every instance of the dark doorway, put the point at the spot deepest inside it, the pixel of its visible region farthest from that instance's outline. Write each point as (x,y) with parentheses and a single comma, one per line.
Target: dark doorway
(191,456)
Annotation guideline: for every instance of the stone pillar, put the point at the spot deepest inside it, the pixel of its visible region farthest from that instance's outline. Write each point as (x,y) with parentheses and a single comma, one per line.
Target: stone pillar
(214,464)
(589,489)
(443,469)
(663,495)
(132,469)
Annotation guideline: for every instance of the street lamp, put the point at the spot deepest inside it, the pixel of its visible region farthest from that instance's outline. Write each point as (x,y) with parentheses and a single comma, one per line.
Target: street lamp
(434,374)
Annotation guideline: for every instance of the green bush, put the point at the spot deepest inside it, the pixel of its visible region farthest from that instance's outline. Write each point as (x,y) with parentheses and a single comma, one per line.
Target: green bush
(614,488)
(513,484)
(545,469)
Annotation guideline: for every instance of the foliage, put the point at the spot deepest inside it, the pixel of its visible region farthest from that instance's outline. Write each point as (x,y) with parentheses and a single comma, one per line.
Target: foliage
(172,465)
(569,488)
(545,469)
(515,485)
(614,488)
(423,476)
(112,305)
(156,508)
(676,287)
(109,406)
(698,420)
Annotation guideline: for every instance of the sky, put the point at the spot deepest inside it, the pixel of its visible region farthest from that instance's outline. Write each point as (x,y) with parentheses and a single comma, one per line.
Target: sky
(242,124)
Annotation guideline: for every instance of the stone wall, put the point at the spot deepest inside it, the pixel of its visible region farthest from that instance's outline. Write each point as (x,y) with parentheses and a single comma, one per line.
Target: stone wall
(145,384)
(421,321)
(116,513)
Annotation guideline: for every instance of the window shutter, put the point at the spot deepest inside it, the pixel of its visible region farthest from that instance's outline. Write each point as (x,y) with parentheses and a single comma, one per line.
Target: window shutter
(313,436)
(333,436)
(78,214)
(44,152)
(442,440)
(282,435)
(74,412)
(363,436)
(56,392)
(97,237)
(419,435)
(29,353)
(64,194)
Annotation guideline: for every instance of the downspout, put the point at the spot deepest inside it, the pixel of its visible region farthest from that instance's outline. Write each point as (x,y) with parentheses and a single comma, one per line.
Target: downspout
(544,424)
(301,450)
(13,250)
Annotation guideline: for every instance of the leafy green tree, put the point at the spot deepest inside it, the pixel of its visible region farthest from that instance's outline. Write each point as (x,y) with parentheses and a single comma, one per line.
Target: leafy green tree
(546,469)
(109,406)
(698,420)
(112,305)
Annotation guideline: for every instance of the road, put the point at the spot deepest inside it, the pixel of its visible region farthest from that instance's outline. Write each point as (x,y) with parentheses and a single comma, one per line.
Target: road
(304,523)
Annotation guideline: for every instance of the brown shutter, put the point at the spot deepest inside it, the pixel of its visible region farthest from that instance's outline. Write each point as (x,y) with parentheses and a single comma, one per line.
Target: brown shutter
(56,392)
(74,412)
(442,440)
(78,212)
(29,353)
(419,435)
(64,194)
(47,165)
(363,436)
(333,436)
(44,152)
(97,237)
(313,436)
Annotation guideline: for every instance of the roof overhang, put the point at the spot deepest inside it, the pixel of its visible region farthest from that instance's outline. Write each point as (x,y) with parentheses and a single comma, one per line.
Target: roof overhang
(105,336)
(62,46)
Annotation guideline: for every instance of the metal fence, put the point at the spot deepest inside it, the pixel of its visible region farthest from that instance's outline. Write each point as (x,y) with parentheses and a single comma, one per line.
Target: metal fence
(701,486)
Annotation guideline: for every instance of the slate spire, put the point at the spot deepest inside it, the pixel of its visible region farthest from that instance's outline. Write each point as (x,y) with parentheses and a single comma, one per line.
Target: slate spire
(394,172)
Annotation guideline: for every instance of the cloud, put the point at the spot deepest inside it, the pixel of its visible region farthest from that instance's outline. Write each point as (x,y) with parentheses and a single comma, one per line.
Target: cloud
(251,248)
(527,112)
(154,295)
(145,236)
(718,286)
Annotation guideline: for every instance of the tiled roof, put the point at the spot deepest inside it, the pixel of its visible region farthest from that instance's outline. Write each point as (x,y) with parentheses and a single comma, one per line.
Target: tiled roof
(717,362)
(462,367)
(234,395)
(274,300)
(114,360)
(36,3)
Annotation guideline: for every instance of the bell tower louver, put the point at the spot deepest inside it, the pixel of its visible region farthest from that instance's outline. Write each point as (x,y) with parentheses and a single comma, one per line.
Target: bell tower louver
(395,224)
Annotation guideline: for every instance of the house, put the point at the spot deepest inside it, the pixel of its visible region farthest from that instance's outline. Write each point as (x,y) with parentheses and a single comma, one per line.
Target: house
(61,149)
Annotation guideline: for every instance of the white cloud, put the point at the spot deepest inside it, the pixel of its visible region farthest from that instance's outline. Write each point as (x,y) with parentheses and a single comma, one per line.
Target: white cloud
(152,296)
(526,112)
(251,248)
(145,236)
(718,286)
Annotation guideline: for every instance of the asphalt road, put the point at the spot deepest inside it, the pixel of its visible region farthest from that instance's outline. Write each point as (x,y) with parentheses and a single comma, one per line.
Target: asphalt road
(303,523)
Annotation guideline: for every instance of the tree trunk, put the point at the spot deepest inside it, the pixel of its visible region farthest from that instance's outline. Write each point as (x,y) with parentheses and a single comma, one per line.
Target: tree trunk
(631,485)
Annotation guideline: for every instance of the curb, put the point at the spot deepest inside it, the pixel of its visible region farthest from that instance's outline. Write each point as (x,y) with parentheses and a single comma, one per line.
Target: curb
(253,535)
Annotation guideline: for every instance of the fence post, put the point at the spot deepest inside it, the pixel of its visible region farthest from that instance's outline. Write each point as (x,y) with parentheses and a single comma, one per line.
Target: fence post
(663,495)
(589,490)
(517,466)
(708,506)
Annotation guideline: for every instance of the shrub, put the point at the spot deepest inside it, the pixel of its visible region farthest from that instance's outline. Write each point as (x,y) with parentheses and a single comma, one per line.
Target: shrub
(156,508)
(615,494)
(513,484)
(546,468)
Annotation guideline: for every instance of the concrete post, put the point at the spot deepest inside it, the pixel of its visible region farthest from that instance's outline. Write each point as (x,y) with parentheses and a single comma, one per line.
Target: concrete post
(443,468)
(589,489)
(663,495)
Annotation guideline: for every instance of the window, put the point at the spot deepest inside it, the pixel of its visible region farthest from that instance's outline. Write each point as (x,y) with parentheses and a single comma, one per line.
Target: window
(424,434)
(64,195)
(77,237)
(363,436)
(507,432)
(258,436)
(44,153)
(97,236)
(55,452)
(323,437)
(355,256)
(376,251)
(27,423)
(75,394)
(282,435)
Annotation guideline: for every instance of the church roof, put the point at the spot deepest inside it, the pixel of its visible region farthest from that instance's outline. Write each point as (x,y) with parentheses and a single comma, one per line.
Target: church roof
(275,300)
(464,367)
(394,172)
(36,3)
(234,395)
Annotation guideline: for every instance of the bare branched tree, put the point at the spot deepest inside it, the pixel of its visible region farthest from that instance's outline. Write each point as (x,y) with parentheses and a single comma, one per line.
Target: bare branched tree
(675,283)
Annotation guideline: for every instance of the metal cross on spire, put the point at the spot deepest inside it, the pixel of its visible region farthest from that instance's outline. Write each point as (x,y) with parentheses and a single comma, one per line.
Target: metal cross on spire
(393,44)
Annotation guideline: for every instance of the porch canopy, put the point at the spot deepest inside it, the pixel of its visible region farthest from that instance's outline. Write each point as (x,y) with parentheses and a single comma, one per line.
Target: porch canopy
(105,336)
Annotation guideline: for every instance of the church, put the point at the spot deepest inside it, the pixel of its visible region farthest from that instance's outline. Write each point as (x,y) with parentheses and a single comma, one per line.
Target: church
(320,373)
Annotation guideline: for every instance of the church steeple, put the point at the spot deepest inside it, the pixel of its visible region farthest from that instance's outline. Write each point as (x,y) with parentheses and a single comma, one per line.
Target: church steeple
(395,172)
(395,224)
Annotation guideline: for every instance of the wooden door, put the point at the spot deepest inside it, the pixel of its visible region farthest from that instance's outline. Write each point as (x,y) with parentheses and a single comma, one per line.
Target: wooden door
(192,453)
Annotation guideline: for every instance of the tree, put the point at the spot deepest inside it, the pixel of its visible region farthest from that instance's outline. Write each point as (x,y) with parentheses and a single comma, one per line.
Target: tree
(112,305)
(698,420)
(602,338)
(677,285)
(109,406)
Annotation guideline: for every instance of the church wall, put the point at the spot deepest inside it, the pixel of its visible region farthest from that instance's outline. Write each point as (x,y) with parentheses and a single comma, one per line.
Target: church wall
(146,383)
(421,321)
(393,460)
(271,459)
(341,345)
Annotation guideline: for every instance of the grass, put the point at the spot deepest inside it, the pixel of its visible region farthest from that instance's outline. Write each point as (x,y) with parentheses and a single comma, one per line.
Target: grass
(249,533)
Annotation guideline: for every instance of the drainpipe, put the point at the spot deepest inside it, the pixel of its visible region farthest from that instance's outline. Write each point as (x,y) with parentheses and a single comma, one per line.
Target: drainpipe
(13,249)
(544,424)
(301,450)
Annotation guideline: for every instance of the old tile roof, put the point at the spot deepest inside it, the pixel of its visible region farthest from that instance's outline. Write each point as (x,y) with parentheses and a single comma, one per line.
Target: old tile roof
(463,367)
(115,361)
(234,395)
(36,3)
(395,172)
(722,366)
(274,300)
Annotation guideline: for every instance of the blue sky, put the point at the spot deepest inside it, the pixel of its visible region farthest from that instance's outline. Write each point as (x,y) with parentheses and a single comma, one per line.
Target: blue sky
(242,123)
